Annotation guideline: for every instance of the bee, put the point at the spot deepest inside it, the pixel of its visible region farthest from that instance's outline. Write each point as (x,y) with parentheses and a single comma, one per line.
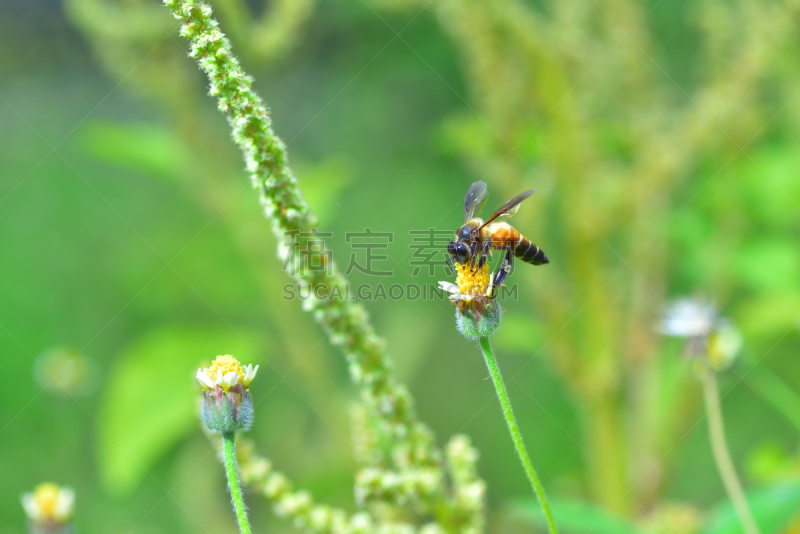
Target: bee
(476,238)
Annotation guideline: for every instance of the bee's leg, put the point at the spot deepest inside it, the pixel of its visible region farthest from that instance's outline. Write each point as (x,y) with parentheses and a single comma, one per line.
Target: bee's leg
(509,261)
(484,255)
(473,247)
(503,272)
(487,249)
(449,261)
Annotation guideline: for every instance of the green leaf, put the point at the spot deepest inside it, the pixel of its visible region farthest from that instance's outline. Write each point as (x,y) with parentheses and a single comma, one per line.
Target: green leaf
(773,508)
(574,517)
(150,401)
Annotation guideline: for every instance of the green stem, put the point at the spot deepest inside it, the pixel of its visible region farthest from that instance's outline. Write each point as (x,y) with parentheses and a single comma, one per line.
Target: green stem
(229,450)
(516,437)
(722,455)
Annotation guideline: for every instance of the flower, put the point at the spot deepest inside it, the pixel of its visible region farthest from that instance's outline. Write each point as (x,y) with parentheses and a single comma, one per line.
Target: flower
(708,335)
(471,287)
(226,372)
(473,295)
(49,505)
(688,317)
(227,405)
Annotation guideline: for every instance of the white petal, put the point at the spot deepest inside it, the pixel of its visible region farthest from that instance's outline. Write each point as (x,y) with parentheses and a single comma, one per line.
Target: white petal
(229,380)
(489,287)
(31,508)
(688,318)
(65,504)
(450,288)
(248,370)
(204,379)
(218,379)
(249,374)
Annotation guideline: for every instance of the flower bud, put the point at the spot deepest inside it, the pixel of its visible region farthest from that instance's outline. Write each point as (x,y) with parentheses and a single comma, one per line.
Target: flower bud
(724,344)
(49,509)
(473,325)
(227,405)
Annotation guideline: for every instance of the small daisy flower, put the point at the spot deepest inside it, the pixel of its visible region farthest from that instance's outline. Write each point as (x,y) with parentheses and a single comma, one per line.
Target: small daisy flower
(227,405)
(689,317)
(477,313)
(708,335)
(471,286)
(49,508)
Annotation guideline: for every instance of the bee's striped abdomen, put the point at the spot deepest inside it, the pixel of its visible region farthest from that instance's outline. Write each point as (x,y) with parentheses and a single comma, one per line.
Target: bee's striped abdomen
(529,252)
(503,235)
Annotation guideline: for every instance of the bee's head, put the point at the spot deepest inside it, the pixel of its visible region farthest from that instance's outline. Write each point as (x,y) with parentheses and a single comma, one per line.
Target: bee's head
(459,252)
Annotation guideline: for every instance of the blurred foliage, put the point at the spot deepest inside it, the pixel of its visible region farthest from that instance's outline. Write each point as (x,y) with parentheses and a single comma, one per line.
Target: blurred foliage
(661,136)
(773,508)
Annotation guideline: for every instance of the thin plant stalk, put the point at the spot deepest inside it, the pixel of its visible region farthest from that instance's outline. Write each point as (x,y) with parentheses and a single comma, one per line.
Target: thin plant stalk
(229,453)
(722,456)
(516,437)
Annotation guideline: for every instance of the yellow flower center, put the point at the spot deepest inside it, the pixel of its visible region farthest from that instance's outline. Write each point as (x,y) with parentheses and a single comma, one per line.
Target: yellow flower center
(472,283)
(226,364)
(46,497)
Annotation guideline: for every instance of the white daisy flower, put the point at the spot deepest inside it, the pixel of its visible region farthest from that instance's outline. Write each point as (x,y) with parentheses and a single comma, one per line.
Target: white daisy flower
(708,335)
(471,284)
(227,405)
(226,372)
(49,503)
(689,317)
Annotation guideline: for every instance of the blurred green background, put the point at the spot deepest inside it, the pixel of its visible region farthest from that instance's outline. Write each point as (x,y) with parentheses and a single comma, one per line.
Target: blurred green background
(662,137)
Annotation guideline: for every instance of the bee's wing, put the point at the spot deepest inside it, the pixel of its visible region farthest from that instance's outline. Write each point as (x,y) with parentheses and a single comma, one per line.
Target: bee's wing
(507,210)
(475,199)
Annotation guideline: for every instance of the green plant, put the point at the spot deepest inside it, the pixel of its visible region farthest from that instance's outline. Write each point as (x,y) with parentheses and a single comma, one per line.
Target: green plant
(478,316)
(416,462)
(635,147)
(227,408)
(654,178)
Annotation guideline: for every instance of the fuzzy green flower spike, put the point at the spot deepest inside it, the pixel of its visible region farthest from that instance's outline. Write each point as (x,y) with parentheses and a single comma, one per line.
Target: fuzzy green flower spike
(389,404)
